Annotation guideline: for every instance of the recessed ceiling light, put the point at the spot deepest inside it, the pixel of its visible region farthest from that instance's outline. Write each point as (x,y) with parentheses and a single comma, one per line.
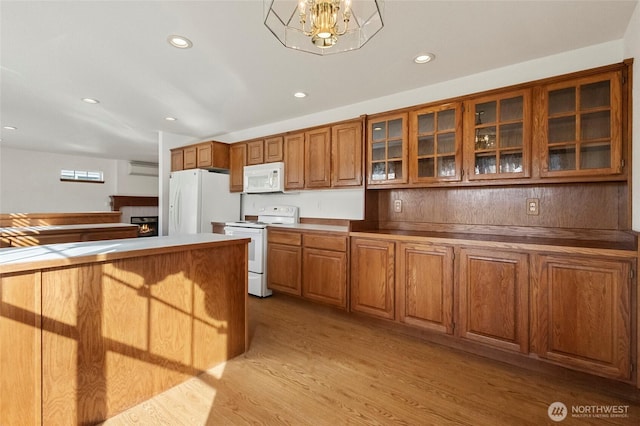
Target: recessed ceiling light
(171,119)
(9,128)
(179,41)
(300,95)
(90,100)
(424,58)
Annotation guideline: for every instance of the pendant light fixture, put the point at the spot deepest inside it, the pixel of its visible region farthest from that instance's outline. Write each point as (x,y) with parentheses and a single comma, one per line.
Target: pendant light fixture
(324,27)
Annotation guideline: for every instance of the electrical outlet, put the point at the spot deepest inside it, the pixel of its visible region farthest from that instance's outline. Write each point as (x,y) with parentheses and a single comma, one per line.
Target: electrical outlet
(533,206)
(397,206)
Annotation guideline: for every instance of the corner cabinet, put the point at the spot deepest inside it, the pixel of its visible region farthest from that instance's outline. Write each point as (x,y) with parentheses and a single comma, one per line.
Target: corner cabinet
(581,131)
(373,277)
(581,313)
(498,136)
(435,144)
(387,149)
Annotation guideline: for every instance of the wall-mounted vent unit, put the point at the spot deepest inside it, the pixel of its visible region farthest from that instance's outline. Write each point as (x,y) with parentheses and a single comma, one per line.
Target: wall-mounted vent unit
(143,168)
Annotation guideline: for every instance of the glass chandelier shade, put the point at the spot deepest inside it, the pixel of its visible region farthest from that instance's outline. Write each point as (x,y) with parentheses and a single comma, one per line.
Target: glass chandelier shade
(323,27)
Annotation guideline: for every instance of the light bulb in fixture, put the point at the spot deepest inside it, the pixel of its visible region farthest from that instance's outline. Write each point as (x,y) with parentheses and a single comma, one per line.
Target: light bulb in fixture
(424,58)
(179,41)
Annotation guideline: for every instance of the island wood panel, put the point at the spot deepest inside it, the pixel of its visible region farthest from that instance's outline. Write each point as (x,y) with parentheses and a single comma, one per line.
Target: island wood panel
(20,374)
(425,286)
(588,206)
(494,298)
(119,332)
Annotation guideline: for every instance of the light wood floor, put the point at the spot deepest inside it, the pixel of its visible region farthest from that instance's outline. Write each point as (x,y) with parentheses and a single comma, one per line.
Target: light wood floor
(311,365)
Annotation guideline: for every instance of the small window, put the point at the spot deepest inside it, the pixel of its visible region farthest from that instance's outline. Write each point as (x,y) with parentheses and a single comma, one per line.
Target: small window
(81,176)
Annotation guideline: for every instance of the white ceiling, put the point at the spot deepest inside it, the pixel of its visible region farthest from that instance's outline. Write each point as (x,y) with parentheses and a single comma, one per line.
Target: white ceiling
(237,75)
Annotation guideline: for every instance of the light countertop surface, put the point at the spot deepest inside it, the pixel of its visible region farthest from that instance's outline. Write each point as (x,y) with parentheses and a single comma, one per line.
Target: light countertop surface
(28,230)
(312,227)
(14,259)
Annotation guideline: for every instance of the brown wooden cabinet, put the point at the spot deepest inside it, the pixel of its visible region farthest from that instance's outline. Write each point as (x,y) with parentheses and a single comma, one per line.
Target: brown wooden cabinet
(373,277)
(190,157)
(284,261)
(317,158)
(346,154)
(425,286)
(203,155)
(581,132)
(435,143)
(177,159)
(498,136)
(581,313)
(237,161)
(494,298)
(387,149)
(255,152)
(324,268)
(274,149)
(294,159)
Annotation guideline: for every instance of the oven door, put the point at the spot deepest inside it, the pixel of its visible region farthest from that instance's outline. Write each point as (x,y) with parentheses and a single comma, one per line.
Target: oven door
(257,245)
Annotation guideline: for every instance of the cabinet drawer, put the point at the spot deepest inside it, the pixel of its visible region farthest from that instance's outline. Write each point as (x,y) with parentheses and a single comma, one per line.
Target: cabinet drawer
(284,237)
(326,242)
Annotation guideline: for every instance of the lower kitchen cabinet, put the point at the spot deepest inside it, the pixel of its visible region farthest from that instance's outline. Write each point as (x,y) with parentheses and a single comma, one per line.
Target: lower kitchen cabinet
(581,313)
(425,286)
(324,269)
(372,277)
(284,261)
(494,298)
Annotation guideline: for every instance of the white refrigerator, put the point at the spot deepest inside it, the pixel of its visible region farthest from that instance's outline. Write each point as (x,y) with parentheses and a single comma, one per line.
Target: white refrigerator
(198,197)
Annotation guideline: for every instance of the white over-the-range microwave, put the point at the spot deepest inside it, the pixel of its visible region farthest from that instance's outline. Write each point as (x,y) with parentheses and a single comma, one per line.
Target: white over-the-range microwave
(262,178)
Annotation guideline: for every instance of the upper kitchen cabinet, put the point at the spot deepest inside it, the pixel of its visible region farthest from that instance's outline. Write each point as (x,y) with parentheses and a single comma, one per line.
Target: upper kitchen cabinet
(294,161)
(255,152)
(387,149)
(346,154)
(237,161)
(317,158)
(274,149)
(581,126)
(177,159)
(203,155)
(497,139)
(435,148)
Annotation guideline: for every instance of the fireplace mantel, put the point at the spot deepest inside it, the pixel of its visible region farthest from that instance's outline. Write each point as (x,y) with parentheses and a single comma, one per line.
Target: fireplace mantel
(119,201)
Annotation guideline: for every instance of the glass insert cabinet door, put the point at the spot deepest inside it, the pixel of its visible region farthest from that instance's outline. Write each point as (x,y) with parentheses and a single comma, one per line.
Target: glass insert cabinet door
(582,127)
(435,143)
(387,149)
(498,136)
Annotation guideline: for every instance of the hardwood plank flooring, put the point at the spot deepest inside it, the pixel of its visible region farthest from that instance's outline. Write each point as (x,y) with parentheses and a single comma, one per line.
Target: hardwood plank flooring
(311,365)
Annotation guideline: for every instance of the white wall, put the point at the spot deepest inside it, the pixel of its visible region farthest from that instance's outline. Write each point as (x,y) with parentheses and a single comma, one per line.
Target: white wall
(632,50)
(30,182)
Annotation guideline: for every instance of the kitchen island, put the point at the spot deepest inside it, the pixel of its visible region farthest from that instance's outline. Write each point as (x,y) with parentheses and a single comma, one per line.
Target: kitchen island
(89,329)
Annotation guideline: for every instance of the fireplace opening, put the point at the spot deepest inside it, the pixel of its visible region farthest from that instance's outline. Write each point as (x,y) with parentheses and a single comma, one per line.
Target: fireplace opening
(147,225)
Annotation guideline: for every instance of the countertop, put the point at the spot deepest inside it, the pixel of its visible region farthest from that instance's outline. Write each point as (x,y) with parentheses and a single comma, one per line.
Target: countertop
(14,259)
(44,229)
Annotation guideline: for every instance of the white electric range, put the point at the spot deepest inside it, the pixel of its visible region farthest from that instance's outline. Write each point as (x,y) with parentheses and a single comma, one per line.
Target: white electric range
(257,231)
